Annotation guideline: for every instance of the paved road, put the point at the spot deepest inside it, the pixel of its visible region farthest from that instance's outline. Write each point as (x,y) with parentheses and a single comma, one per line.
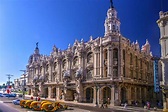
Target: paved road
(7,103)
(6,108)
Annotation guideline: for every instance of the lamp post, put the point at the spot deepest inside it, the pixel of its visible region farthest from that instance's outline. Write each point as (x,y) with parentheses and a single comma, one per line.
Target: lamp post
(9,76)
(24,81)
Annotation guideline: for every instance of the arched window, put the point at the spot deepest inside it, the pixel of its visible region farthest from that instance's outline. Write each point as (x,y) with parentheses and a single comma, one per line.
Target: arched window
(115,57)
(55,65)
(89,57)
(115,72)
(64,64)
(105,57)
(89,74)
(115,53)
(136,60)
(75,61)
(40,69)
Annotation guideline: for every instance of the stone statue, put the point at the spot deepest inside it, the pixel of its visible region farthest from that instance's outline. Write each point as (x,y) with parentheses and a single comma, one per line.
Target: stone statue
(36,44)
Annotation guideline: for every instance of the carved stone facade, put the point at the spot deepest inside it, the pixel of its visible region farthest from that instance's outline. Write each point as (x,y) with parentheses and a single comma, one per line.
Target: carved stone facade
(163,25)
(107,68)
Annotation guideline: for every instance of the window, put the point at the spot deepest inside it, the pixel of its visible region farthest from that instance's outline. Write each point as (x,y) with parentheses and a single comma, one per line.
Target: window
(115,72)
(89,57)
(89,74)
(64,64)
(55,65)
(115,53)
(75,61)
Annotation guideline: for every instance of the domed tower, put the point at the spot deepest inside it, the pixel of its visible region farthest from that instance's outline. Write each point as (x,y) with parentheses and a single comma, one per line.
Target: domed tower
(112,23)
(35,56)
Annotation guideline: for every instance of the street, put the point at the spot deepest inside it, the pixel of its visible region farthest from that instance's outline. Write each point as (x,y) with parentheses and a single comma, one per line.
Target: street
(6,105)
(7,108)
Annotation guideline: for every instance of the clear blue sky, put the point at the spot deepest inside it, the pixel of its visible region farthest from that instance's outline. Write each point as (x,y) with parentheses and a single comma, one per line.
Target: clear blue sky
(60,22)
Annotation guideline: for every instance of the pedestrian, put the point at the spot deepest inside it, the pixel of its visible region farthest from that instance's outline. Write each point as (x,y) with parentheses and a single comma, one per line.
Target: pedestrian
(102,104)
(125,105)
(38,99)
(31,97)
(108,101)
(148,105)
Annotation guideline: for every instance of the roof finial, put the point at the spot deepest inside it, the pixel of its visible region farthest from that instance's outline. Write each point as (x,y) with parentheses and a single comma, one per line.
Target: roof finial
(111,4)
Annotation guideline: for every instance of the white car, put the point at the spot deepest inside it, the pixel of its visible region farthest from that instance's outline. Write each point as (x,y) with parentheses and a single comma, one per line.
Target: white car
(16,102)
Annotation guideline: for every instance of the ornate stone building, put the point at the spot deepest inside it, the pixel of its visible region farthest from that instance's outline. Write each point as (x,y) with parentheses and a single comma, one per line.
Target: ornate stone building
(163,25)
(108,68)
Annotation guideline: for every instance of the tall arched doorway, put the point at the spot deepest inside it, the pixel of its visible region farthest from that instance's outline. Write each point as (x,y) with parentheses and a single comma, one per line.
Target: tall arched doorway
(89,95)
(46,92)
(53,92)
(123,95)
(106,94)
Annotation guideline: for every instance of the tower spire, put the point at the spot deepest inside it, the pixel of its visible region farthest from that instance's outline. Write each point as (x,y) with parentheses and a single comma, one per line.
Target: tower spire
(111,4)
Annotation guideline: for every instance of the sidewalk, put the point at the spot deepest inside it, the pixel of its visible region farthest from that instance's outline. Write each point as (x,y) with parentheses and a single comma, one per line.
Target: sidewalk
(128,108)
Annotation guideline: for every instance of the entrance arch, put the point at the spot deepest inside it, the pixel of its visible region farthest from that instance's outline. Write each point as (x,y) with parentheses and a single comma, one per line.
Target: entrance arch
(46,92)
(89,95)
(106,94)
(53,94)
(123,95)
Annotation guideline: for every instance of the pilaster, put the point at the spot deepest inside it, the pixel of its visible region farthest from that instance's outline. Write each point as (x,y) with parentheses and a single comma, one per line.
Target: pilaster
(49,92)
(101,61)
(57,93)
(112,96)
(109,58)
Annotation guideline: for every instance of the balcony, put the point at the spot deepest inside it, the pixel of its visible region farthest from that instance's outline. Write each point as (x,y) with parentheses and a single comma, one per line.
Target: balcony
(162,83)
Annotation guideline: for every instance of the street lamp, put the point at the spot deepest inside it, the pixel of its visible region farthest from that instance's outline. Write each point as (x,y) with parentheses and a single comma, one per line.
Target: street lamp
(24,81)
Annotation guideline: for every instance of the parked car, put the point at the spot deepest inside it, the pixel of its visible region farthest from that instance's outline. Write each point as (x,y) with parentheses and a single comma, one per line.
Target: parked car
(8,95)
(16,102)
(27,103)
(12,95)
(1,95)
(36,105)
(53,106)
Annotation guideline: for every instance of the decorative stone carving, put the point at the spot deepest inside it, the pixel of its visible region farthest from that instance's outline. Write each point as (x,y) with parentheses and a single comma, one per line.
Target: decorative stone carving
(79,73)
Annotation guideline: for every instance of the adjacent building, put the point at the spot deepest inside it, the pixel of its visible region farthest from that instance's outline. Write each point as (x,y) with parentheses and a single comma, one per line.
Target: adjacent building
(163,25)
(105,69)
(20,83)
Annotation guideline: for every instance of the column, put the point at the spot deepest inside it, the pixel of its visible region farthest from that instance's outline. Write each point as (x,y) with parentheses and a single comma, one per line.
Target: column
(109,58)
(59,75)
(50,72)
(57,93)
(95,64)
(129,95)
(98,95)
(49,92)
(101,61)
(80,59)
(31,92)
(94,95)
(112,96)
